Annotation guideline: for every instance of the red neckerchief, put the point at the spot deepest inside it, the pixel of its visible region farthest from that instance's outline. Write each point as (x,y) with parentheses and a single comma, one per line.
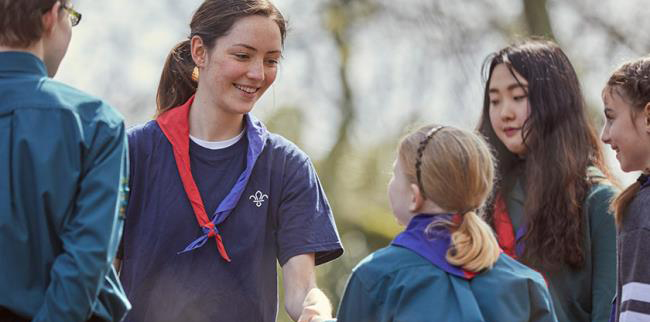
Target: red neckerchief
(503,227)
(506,233)
(174,123)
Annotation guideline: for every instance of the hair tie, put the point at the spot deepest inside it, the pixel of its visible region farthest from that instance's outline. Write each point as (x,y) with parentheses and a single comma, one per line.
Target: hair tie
(423,145)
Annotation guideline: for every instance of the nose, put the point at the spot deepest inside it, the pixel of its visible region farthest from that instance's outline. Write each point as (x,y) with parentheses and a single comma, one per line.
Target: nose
(507,112)
(256,70)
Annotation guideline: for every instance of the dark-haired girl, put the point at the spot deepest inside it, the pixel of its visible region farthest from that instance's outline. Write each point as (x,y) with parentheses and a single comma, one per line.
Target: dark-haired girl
(216,200)
(627,130)
(550,209)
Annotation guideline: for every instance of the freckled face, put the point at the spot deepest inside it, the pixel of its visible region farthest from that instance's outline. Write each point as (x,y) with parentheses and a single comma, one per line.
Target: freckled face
(242,65)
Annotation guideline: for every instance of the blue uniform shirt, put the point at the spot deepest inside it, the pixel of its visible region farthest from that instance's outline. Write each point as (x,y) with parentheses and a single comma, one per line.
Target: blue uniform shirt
(63,171)
(282,212)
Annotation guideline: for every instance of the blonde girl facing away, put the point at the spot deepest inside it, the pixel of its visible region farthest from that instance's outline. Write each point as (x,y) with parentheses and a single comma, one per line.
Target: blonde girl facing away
(446,265)
(626,99)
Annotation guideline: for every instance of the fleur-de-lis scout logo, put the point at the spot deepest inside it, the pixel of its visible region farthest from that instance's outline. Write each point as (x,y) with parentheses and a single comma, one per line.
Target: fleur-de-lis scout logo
(258,198)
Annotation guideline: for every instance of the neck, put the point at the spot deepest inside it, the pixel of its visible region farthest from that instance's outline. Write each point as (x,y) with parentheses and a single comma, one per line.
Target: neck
(210,123)
(36,49)
(428,207)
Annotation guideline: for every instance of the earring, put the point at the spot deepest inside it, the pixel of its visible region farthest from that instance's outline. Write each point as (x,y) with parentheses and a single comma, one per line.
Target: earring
(195,74)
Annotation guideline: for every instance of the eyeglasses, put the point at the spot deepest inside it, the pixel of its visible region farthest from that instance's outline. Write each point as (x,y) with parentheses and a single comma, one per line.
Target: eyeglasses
(75,17)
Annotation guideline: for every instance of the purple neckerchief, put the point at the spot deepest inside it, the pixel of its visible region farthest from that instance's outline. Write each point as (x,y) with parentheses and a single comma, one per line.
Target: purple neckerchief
(519,246)
(431,244)
(257,135)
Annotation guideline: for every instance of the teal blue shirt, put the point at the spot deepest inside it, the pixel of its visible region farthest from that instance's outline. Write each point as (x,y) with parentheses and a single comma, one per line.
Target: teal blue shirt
(583,295)
(396,284)
(63,170)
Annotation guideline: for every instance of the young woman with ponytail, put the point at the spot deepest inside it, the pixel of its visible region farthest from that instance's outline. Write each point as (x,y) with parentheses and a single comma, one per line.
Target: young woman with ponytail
(446,265)
(216,201)
(551,201)
(627,130)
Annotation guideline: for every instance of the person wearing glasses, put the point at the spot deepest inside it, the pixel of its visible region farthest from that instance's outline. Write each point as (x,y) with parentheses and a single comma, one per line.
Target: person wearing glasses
(63,177)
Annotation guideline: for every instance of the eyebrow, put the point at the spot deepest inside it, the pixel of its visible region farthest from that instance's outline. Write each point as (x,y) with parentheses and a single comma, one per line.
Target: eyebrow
(255,49)
(510,87)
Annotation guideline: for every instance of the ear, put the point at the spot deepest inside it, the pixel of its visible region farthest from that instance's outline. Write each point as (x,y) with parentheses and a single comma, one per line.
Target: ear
(646,116)
(50,18)
(417,199)
(199,51)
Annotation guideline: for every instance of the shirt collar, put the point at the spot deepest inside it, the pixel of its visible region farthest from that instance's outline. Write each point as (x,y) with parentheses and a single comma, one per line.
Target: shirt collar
(21,62)
(431,242)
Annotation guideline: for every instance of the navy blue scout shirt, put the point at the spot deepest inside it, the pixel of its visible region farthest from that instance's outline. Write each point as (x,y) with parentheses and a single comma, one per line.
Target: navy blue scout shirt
(222,165)
(282,213)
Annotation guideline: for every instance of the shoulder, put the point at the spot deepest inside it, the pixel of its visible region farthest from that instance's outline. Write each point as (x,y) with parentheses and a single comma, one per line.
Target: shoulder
(142,137)
(597,202)
(636,213)
(506,269)
(601,192)
(145,130)
(88,108)
(391,264)
(289,151)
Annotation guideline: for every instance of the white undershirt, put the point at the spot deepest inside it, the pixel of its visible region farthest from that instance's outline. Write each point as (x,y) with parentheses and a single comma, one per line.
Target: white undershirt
(216,145)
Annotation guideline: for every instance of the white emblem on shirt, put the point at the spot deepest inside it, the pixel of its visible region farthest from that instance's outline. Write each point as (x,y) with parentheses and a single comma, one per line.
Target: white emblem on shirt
(258,198)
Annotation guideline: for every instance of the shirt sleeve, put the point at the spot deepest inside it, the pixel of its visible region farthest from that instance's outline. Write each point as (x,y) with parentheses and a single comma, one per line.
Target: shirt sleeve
(635,276)
(90,235)
(357,305)
(603,248)
(305,221)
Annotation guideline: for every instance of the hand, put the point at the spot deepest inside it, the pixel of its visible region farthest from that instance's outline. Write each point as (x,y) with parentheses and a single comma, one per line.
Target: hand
(316,307)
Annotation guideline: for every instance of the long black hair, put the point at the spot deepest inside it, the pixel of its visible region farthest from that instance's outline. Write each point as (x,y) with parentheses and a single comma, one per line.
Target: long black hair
(561,144)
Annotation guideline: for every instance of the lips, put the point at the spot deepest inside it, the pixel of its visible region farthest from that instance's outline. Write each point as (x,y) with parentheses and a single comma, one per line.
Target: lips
(247,89)
(511,131)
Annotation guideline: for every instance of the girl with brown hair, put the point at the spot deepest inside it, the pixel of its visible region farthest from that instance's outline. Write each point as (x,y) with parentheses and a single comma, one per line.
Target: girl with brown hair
(446,265)
(550,208)
(205,171)
(627,130)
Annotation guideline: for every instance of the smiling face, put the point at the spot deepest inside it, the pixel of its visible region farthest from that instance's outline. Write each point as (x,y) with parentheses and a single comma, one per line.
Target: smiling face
(509,108)
(242,65)
(626,132)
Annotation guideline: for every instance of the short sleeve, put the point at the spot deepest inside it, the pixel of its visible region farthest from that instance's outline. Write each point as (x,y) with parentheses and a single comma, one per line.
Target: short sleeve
(305,220)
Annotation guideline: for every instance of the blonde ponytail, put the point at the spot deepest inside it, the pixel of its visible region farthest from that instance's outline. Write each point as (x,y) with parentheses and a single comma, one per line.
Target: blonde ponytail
(456,173)
(473,245)
(623,200)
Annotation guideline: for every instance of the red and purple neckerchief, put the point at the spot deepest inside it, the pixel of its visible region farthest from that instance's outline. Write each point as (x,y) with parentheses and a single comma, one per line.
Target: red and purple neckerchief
(174,123)
(508,240)
(432,243)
